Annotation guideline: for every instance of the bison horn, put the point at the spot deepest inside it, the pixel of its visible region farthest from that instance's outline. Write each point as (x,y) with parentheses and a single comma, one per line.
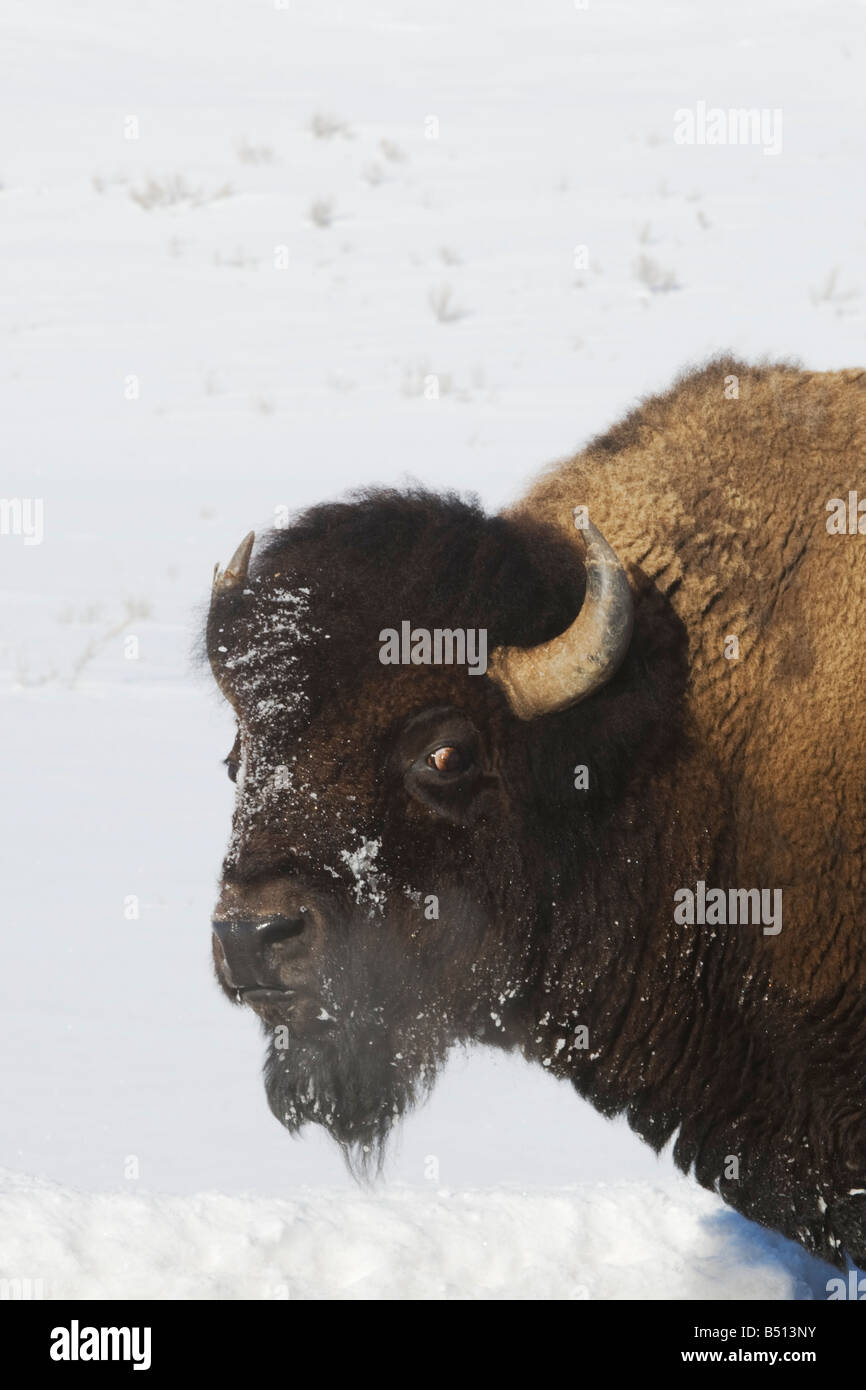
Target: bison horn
(231,578)
(559,673)
(235,572)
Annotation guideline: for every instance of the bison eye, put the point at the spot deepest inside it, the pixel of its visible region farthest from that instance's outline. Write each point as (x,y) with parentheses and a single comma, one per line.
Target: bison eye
(447,759)
(440,756)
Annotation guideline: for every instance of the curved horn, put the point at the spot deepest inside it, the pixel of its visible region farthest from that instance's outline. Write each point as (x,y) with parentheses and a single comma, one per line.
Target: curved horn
(559,673)
(233,577)
(235,572)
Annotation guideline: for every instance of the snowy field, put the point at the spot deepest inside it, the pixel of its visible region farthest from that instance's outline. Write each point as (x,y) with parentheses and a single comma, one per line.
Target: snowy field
(605,1241)
(255,254)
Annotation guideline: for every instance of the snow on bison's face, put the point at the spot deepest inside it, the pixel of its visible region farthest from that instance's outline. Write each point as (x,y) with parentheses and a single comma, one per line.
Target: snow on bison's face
(380,893)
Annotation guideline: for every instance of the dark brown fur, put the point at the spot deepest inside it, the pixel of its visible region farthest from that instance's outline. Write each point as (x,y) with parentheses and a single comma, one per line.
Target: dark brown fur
(556,905)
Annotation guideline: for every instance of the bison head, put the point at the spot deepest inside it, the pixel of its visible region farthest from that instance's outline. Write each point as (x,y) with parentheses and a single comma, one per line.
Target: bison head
(393,859)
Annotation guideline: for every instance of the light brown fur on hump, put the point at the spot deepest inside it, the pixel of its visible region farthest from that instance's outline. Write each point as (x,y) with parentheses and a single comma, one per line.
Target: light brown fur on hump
(722,504)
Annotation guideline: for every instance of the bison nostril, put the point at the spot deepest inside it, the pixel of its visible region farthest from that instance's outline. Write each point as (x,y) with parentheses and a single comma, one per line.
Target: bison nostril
(252,950)
(275,929)
(259,931)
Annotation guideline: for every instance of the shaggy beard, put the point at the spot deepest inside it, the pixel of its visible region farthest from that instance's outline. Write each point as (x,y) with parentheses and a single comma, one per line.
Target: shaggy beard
(395,1016)
(357,1083)
(390,1032)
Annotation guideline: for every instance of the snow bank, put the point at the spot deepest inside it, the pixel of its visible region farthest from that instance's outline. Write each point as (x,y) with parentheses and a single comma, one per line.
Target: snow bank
(626,1240)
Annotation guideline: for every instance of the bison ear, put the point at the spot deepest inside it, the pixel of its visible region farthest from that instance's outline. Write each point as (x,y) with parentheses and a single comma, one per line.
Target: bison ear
(557,674)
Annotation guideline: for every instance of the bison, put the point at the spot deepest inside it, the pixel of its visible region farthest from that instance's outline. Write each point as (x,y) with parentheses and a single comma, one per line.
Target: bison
(631,846)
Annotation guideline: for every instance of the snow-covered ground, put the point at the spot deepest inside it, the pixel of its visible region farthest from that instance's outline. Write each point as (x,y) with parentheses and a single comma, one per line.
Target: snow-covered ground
(606,1241)
(253,255)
